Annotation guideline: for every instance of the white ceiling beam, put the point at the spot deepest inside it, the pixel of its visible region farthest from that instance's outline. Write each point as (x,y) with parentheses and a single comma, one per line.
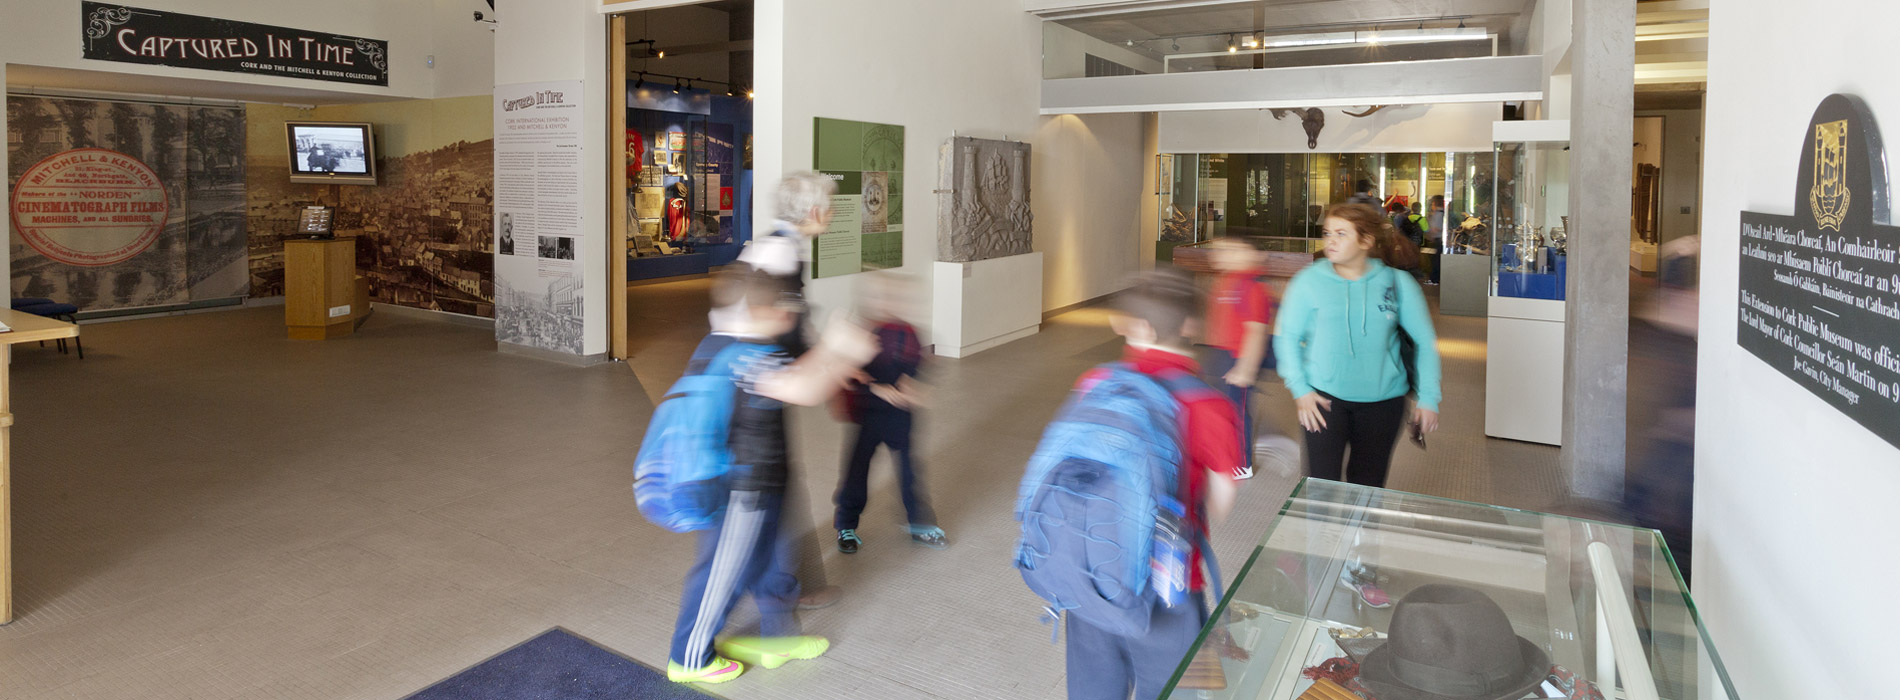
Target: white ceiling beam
(1294,14)
(1487,79)
(1071,9)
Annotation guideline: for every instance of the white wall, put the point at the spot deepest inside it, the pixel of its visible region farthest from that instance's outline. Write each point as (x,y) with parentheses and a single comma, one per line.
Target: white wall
(464,49)
(567,40)
(1065,53)
(1441,127)
(1099,159)
(1794,514)
(971,67)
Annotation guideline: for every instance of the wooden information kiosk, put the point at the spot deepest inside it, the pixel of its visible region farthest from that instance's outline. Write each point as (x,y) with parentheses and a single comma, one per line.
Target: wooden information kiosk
(27,328)
(323,298)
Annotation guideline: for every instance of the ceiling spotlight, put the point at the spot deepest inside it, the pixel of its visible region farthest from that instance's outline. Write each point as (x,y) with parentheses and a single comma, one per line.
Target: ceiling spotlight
(659,53)
(642,82)
(676,86)
(748,94)
(1461,24)
(1177,45)
(1231,46)
(1131,42)
(729,90)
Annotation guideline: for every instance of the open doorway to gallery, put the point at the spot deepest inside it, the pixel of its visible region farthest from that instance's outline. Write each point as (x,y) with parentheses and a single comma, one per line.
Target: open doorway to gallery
(681,192)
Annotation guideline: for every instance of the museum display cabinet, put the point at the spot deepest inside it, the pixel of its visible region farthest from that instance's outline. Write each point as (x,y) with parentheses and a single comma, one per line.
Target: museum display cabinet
(1554,606)
(1530,211)
(1524,358)
(688,181)
(1464,257)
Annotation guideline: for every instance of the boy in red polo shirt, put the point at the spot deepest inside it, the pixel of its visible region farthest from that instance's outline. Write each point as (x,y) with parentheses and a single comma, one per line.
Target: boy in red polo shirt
(1157,319)
(1239,322)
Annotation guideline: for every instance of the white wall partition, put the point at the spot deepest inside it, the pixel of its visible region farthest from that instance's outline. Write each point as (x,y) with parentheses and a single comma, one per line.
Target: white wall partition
(563,40)
(1794,501)
(1397,128)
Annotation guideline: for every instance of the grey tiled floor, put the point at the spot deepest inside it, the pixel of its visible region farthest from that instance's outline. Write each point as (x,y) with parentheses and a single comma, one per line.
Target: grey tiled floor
(205,510)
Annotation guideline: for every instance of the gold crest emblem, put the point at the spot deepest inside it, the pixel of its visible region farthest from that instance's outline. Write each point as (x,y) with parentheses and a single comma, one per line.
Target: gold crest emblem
(1829,197)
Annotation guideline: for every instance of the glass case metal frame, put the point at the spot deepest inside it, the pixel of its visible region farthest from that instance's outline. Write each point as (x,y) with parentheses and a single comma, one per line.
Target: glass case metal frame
(1605,601)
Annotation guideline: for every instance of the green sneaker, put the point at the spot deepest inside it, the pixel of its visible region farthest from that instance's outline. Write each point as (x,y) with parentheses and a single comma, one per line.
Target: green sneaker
(773,652)
(719,671)
(929,536)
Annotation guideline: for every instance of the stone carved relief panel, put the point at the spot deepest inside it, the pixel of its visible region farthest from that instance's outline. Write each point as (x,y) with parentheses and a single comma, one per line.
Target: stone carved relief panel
(983,211)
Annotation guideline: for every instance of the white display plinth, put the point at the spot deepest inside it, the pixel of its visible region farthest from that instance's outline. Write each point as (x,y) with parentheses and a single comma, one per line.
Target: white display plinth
(980,305)
(1524,370)
(1643,257)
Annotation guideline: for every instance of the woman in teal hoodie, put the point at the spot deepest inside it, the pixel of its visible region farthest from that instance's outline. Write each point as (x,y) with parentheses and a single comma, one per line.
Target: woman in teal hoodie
(1338,344)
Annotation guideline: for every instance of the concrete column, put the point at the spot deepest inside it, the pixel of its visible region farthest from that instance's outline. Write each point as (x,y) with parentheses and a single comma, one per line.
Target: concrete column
(1596,331)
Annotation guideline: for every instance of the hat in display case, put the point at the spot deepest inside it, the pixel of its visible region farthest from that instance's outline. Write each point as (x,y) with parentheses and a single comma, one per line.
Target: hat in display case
(1452,643)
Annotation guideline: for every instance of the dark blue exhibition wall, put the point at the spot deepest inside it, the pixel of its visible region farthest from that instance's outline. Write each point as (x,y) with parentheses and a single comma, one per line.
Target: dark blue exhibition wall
(691,190)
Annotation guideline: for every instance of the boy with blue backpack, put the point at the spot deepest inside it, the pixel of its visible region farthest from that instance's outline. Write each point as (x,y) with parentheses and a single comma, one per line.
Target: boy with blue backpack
(1116,502)
(714,461)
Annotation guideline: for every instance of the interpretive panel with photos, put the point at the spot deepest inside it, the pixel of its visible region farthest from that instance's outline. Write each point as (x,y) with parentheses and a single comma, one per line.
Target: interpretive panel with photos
(1820,290)
(867,223)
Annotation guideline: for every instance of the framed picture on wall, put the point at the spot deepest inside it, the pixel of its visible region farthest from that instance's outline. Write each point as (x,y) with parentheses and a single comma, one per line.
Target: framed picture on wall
(676,140)
(660,159)
(659,141)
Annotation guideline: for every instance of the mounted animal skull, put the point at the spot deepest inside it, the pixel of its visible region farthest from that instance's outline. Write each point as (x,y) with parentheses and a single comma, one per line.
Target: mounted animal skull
(1313,120)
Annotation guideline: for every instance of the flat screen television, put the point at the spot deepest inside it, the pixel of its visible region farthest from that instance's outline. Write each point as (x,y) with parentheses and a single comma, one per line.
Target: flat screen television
(332,153)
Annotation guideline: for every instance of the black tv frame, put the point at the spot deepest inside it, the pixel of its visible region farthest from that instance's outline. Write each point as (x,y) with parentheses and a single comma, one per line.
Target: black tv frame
(369,155)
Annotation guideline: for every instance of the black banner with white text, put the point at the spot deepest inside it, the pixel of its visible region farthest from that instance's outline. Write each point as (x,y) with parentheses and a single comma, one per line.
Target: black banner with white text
(156,37)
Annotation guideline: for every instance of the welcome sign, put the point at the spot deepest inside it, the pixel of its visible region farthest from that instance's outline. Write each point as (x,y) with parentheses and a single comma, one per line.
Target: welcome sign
(1820,290)
(157,37)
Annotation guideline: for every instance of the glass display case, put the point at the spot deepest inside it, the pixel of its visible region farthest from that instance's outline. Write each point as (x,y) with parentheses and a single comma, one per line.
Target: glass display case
(1485,602)
(1530,218)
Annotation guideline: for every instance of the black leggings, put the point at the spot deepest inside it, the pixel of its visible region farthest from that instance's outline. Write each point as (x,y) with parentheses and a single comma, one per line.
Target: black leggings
(1369,429)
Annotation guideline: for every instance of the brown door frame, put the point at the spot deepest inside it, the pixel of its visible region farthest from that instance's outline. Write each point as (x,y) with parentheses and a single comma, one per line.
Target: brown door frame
(617,189)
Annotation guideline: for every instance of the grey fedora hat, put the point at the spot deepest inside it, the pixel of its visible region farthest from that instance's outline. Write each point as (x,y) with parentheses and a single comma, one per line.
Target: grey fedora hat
(1452,643)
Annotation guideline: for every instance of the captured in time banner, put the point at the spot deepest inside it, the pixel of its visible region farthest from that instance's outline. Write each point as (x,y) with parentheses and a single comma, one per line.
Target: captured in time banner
(157,37)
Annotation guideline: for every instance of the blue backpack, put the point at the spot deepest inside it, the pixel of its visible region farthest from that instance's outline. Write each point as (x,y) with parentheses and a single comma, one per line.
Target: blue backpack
(1103,535)
(679,477)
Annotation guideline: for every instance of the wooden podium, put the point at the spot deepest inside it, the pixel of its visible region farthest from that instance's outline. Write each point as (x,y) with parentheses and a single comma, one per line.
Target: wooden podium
(321,299)
(27,328)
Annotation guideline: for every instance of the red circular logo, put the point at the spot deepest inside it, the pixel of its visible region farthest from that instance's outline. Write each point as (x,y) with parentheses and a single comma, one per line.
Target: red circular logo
(90,207)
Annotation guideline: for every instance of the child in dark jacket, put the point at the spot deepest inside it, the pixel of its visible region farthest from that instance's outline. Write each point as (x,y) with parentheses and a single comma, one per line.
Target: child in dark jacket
(882,408)
(747,551)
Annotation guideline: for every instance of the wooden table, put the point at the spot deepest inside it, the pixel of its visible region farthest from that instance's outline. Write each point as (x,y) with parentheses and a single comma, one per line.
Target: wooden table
(27,328)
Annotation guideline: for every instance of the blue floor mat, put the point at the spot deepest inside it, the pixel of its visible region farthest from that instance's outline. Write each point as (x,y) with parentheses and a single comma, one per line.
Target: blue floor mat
(558,666)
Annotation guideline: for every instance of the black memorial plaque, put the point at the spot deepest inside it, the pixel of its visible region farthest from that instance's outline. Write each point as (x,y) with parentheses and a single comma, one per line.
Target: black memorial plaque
(157,37)
(1820,290)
